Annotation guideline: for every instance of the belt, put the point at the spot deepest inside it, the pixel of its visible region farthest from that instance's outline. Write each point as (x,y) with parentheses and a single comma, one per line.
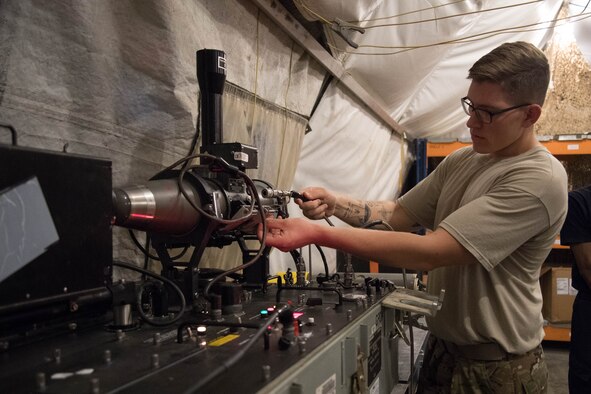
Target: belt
(480,352)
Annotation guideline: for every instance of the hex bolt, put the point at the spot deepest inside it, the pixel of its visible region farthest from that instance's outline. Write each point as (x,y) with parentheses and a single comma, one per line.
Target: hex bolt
(266,372)
(155,361)
(95,386)
(302,345)
(328,328)
(301,299)
(41,384)
(57,355)
(349,314)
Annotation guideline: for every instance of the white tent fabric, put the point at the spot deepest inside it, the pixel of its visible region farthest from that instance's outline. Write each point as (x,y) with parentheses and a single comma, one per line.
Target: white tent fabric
(582,28)
(419,72)
(349,152)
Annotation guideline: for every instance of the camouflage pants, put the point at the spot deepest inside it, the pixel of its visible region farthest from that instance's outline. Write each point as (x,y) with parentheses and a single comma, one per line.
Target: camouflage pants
(443,372)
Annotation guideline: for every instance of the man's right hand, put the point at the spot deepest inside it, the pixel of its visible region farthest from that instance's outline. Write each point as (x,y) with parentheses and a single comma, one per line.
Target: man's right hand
(319,204)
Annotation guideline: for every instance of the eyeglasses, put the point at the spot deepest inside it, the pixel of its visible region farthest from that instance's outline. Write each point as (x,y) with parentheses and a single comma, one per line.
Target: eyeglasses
(484,115)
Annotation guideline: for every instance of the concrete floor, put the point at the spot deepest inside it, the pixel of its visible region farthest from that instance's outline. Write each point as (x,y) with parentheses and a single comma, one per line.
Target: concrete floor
(557,361)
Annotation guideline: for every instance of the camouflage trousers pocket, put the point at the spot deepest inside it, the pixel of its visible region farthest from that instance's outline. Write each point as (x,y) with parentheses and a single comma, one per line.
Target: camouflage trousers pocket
(444,373)
(524,375)
(533,380)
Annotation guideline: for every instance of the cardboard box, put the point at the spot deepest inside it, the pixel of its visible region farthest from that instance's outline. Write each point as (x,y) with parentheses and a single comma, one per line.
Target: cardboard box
(558,294)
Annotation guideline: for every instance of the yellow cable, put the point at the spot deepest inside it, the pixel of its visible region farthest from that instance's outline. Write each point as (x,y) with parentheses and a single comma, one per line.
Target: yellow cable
(408,13)
(256,70)
(402,163)
(311,11)
(472,38)
(285,103)
(453,16)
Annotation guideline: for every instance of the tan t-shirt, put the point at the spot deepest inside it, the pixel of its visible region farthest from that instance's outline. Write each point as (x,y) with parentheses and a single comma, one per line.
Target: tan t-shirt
(507,212)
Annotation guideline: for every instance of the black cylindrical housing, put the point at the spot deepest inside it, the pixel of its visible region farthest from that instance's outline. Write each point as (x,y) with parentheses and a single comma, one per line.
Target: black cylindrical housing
(211,75)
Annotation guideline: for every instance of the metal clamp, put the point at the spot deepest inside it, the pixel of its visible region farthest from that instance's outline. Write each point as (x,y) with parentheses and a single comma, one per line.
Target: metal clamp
(342,28)
(414,301)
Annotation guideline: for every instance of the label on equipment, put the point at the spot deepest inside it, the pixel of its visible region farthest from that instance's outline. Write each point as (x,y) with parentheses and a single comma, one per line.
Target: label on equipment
(223,340)
(329,386)
(241,156)
(375,389)
(222,62)
(374,358)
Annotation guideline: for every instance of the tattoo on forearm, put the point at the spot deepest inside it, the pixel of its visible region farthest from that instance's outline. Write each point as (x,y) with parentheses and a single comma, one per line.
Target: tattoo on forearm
(359,213)
(353,209)
(378,210)
(367,215)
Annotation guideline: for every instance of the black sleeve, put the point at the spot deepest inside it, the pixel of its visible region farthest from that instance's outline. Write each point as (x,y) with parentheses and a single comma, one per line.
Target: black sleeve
(577,226)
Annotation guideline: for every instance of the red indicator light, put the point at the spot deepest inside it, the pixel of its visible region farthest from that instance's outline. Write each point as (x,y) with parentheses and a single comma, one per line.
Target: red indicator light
(140,216)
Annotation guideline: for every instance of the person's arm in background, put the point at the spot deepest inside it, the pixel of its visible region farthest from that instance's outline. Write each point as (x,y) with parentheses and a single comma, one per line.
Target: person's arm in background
(582,253)
(321,203)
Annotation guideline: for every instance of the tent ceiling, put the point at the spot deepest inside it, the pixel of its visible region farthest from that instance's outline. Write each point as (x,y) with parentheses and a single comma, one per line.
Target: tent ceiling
(414,55)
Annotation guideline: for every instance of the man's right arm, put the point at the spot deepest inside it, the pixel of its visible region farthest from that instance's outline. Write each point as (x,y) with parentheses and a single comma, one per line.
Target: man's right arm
(359,213)
(355,212)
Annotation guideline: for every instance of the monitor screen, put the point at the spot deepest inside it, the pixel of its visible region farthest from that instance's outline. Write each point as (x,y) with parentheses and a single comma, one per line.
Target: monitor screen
(55,231)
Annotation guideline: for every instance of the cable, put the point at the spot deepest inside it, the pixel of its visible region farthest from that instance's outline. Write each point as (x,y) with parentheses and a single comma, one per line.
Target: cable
(209,323)
(226,166)
(197,130)
(293,194)
(147,253)
(139,294)
(385,224)
(261,248)
(377,223)
(407,314)
(324,261)
(226,365)
(255,201)
(256,68)
(12,132)
(412,353)
(453,16)
(312,12)
(231,170)
(409,12)
(471,38)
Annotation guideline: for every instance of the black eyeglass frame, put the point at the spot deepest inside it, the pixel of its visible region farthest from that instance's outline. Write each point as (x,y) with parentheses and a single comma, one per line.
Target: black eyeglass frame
(467,105)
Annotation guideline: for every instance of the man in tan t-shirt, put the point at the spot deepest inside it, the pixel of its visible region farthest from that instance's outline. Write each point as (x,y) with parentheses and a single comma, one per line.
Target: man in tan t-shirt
(494,210)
